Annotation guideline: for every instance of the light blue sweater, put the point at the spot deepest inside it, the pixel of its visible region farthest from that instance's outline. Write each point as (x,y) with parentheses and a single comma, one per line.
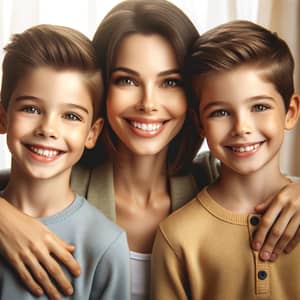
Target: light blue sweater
(101,250)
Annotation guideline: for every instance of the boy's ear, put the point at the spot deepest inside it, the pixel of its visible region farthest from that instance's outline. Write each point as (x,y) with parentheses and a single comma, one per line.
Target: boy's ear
(94,133)
(293,112)
(2,119)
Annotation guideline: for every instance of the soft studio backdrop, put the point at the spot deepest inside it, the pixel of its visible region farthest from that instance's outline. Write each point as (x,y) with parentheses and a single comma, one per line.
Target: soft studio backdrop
(282,16)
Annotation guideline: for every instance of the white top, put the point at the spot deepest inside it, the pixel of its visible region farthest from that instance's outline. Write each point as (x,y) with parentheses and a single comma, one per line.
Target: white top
(140,275)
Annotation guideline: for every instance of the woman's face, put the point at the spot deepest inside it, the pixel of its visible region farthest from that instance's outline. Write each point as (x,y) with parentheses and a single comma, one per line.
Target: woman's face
(146,103)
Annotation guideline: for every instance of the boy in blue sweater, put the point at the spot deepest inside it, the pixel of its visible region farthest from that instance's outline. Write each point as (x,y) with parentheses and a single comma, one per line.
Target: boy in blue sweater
(50,98)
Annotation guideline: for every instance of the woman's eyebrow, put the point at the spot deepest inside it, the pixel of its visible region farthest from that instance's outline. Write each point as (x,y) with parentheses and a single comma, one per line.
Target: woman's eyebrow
(126,70)
(135,73)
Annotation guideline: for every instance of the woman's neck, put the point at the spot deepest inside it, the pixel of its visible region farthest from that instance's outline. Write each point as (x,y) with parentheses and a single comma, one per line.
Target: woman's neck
(139,177)
(142,197)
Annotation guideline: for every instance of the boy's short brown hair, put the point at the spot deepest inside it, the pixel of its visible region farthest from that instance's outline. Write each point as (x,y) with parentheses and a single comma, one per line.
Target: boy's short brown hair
(238,43)
(58,47)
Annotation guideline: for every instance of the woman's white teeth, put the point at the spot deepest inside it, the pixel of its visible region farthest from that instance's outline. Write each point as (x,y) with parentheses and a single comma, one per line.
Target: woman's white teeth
(44,152)
(246,148)
(146,126)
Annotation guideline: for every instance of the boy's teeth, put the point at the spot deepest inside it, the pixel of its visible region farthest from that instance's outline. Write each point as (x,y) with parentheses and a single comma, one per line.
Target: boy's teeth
(44,152)
(146,126)
(246,148)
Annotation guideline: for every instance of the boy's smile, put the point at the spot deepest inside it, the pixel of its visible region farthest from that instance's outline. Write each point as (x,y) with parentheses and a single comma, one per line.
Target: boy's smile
(44,153)
(244,149)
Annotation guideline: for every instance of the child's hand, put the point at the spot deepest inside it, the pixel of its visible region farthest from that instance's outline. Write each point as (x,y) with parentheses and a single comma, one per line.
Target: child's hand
(279,227)
(33,251)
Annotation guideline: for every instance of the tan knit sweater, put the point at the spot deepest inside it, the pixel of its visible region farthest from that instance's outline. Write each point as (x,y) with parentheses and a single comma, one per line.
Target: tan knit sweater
(202,252)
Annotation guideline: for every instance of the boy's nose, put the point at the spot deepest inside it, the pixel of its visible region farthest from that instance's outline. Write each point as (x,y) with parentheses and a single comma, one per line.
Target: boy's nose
(47,129)
(241,127)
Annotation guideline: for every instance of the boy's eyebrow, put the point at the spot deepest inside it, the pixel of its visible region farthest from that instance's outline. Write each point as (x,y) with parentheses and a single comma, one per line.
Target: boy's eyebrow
(213,103)
(130,71)
(26,97)
(258,97)
(71,105)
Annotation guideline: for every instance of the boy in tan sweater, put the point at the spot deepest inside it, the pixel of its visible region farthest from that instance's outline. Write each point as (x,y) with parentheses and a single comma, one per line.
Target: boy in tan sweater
(243,78)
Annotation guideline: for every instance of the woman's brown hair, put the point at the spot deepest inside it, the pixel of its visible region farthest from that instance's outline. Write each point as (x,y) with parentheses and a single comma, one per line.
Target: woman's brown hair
(147,17)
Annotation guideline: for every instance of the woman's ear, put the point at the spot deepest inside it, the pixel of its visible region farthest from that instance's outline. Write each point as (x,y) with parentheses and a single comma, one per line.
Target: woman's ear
(94,133)
(3,122)
(293,112)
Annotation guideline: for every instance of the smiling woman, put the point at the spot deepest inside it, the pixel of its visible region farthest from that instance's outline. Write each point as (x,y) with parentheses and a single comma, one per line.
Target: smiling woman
(146,102)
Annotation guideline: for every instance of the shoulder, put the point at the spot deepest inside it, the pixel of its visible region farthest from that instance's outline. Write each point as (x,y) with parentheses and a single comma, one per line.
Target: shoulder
(95,218)
(179,230)
(95,229)
(96,185)
(205,169)
(182,219)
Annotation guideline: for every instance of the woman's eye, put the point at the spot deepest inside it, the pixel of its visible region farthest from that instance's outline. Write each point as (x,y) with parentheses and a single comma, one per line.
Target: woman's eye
(72,117)
(172,82)
(260,107)
(125,81)
(218,113)
(31,109)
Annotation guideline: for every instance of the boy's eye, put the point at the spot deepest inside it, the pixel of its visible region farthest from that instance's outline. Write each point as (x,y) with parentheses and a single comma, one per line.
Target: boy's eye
(31,109)
(172,82)
(260,107)
(125,81)
(72,117)
(218,113)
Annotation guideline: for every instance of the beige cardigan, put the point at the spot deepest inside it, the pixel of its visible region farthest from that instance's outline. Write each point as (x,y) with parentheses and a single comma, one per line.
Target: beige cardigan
(97,184)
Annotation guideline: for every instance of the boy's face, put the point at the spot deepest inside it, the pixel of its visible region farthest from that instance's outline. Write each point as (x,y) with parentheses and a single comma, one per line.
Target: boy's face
(243,119)
(49,122)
